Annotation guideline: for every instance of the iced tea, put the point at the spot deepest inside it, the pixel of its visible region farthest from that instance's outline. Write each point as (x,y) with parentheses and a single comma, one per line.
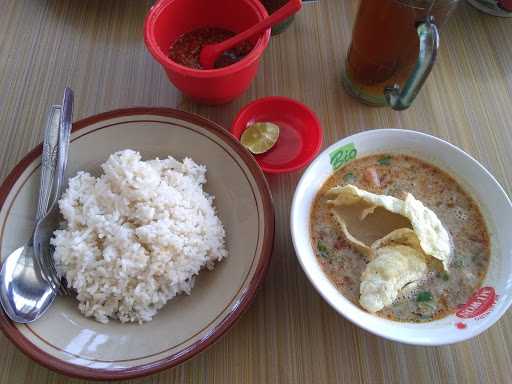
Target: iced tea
(385,44)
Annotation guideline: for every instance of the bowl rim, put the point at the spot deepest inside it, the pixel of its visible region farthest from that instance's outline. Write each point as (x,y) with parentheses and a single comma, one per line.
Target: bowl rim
(330,300)
(61,366)
(316,129)
(253,56)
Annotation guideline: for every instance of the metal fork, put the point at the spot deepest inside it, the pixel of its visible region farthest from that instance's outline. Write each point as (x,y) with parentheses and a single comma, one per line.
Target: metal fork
(45,227)
(48,164)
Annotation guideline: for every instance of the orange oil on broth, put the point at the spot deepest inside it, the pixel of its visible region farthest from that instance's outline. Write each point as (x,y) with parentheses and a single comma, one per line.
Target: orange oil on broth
(440,293)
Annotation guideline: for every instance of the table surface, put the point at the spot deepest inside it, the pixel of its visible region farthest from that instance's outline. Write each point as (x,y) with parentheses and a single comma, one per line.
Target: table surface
(289,335)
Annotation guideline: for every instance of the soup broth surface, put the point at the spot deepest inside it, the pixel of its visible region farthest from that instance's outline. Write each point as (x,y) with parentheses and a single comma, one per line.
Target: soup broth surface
(441,292)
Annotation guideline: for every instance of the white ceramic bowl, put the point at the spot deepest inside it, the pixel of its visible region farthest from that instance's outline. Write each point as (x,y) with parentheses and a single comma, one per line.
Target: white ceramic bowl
(487,305)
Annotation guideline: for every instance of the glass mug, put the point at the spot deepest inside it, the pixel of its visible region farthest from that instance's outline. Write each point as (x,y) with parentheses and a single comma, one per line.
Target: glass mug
(494,7)
(394,46)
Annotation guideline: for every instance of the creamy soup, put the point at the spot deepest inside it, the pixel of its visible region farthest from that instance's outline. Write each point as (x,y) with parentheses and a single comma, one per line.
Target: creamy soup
(440,292)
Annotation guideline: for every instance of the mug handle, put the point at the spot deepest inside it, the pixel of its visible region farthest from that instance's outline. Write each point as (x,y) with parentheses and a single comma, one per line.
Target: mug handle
(400,99)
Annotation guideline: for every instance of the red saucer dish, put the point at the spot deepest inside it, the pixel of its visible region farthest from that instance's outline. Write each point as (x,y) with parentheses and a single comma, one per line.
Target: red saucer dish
(300,137)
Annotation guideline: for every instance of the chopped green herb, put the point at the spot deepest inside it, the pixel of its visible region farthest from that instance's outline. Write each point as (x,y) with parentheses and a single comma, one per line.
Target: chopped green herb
(322,249)
(325,255)
(444,275)
(424,296)
(385,160)
(427,305)
(349,178)
(458,262)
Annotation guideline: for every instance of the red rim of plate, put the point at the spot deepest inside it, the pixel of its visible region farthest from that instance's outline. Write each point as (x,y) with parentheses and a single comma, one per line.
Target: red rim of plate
(316,131)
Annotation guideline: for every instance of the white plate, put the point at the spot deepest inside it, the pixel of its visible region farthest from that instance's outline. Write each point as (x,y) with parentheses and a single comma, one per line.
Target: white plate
(68,342)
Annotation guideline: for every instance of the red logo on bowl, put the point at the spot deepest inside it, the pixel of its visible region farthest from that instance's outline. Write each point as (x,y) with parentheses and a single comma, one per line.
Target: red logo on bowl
(478,304)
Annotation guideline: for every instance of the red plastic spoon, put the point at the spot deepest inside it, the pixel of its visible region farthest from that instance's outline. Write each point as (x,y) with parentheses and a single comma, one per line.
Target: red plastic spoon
(211,52)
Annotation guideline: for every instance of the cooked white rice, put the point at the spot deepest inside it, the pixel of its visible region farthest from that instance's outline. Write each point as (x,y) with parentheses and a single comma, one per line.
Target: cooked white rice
(137,236)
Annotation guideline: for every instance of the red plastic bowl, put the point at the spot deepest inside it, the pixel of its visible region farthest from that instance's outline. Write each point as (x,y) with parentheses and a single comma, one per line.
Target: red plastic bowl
(300,137)
(169,19)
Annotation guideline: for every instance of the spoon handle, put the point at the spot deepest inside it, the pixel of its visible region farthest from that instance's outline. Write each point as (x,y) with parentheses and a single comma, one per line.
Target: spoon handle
(48,160)
(65,133)
(63,146)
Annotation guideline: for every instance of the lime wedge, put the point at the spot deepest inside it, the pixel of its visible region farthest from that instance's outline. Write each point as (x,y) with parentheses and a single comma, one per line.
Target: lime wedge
(260,137)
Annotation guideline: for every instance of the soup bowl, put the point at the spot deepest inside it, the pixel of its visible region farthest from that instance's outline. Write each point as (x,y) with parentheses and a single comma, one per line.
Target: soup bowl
(486,305)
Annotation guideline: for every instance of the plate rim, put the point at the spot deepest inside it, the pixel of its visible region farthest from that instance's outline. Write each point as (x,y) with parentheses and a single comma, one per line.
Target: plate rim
(61,366)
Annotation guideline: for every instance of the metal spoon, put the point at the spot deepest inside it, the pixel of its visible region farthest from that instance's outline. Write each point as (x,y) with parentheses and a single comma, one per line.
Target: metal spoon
(24,293)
